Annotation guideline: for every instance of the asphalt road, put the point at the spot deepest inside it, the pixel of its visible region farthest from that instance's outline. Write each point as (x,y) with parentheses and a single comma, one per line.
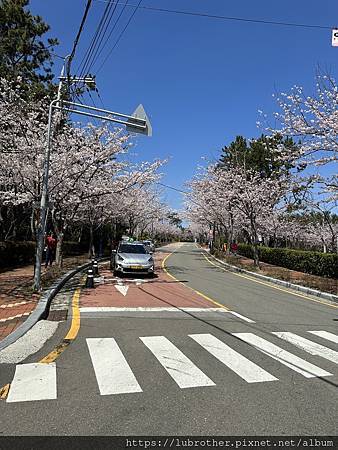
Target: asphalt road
(194,372)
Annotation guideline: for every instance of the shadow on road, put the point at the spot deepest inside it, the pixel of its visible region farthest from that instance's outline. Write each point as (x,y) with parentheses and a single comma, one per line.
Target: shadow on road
(227,333)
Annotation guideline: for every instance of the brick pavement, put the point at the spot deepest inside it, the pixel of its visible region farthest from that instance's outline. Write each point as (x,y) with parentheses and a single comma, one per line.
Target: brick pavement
(17,300)
(161,291)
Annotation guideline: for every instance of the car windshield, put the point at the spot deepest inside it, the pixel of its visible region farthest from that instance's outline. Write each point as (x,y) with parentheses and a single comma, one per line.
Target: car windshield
(129,248)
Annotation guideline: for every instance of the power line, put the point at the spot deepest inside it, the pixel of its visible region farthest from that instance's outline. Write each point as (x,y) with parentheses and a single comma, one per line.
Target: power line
(189,194)
(221,17)
(120,35)
(112,30)
(77,38)
(95,53)
(96,36)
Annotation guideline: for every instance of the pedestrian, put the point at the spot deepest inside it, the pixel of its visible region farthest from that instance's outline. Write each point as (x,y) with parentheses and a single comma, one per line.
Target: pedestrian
(50,249)
(234,248)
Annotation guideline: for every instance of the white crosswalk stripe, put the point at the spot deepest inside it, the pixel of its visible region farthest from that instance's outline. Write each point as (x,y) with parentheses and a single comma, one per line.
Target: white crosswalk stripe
(326,335)
(295,363)
(309,346)
(245,368)
(33,382)
(113,373)
(179,367)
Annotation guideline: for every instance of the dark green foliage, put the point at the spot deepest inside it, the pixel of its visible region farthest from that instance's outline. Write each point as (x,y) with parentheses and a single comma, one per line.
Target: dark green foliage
(315,263)
(16,254)
(22,51)
(262,155)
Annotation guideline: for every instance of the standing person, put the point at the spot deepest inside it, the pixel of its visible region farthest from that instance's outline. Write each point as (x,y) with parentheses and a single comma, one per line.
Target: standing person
(50,249)
(234,248)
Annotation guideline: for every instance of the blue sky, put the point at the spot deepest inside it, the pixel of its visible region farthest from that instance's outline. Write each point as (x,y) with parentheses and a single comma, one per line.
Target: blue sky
(200,80)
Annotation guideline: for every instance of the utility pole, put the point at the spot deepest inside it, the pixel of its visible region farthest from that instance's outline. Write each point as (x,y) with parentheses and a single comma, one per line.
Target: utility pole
(138,122)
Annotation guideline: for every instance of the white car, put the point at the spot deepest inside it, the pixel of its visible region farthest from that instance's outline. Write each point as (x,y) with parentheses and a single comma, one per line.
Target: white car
(132,258)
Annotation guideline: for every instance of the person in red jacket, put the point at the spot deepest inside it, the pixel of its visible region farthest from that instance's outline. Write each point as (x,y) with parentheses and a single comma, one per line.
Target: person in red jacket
(234,248)
(50,249)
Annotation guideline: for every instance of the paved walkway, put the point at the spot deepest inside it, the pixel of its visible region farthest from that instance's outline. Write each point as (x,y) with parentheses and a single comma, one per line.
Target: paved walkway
(17,299)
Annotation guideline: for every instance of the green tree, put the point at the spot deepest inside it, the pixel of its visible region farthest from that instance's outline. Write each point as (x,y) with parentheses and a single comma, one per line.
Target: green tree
(23,53)
(262,155)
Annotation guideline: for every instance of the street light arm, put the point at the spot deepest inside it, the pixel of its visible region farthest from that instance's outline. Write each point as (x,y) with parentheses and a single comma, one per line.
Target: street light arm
(125,116)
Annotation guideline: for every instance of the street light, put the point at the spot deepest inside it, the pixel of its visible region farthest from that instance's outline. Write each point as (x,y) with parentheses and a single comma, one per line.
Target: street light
(137,123)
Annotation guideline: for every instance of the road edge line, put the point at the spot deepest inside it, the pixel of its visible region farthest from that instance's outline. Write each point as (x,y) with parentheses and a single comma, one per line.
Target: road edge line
(192,289)
(271,281)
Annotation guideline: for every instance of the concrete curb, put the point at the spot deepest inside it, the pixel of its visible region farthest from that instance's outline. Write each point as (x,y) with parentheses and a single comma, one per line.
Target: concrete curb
(305,290)
(41,310)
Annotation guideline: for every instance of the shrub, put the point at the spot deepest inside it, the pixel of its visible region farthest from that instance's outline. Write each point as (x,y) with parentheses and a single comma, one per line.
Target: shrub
(315,263)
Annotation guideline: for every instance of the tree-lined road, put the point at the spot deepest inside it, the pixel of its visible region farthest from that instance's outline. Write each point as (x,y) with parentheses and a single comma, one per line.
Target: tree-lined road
(216,353)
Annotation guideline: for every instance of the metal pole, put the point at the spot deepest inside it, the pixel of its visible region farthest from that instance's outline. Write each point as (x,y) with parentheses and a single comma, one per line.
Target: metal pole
(43,204)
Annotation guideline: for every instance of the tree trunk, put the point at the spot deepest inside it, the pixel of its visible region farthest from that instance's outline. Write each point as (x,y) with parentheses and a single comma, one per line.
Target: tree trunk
(231,234)
(91,250)
(254,244)
(255,252)
(59,249)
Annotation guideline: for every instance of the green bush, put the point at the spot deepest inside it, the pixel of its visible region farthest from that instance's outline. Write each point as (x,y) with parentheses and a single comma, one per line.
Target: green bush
(16,254)
(315,263)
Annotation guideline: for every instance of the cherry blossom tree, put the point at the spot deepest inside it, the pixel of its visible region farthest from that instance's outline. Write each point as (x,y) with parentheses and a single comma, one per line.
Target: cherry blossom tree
(313,122)
(87,163)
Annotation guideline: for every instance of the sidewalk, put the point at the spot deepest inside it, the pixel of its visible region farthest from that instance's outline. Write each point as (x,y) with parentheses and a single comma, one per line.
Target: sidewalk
(17,299)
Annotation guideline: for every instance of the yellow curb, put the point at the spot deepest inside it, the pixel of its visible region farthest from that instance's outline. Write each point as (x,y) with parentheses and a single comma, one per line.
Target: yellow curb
(194,290)
(270,285)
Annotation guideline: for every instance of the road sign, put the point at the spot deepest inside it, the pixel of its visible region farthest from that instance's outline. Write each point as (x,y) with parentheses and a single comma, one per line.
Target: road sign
(140,114)
(335,37)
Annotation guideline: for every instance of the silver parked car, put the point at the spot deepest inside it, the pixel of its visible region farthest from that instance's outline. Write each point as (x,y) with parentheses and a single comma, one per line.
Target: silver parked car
(132,258)
(149,245)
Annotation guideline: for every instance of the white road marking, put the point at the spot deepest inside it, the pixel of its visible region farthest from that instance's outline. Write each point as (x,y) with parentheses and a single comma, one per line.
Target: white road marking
(326,335)
(12,305)
(113,373)
(122,289)
(179,367)
(33,382)
(241,317)
(245,368)
(295,363)
(311,347)
(92,309)
(15,317)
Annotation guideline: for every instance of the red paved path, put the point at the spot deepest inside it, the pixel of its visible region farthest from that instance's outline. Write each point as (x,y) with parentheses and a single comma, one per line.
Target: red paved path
(13,286)
(162,291)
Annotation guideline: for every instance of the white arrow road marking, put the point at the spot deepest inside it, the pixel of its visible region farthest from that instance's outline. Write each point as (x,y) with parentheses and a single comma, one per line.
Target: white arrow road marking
(308,346)
(113,373)
(295,363)
(122,289)
(33,382)
(179,367)
(246,369)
